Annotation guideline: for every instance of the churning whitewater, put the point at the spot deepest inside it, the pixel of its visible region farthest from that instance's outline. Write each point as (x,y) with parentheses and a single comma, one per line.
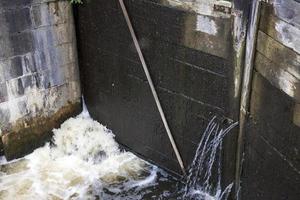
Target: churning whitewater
(84,162)
(83,159)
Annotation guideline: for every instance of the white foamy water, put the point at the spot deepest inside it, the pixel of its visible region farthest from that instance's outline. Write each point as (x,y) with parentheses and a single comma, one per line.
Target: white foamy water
(83,160)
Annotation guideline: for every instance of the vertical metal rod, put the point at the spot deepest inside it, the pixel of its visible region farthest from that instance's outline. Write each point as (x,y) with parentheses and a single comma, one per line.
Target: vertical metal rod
(154,93)
(246,87)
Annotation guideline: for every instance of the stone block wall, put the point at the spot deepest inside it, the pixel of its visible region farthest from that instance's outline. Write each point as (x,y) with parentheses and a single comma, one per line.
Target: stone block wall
(39,78)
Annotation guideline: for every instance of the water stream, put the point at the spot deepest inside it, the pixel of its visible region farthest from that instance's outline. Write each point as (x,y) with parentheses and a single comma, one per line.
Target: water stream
(85,162)
(204,177)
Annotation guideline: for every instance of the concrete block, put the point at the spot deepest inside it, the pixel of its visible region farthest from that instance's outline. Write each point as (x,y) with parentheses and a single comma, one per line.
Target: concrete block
(3,92)
(17,19)
(53,12)
(21,43)
(17,66)
(40,15)
(4,68)
(57,76)
(60,11)
(22,105)
(5,50)
(53,35)
(28,63)
(43,37)
(74,90)
(11,68)
(41,1)
(30,81)
(15,88)
(75,75)
(36,41)
(45,79)
(63,33)
(60,55)
(4,117)
(41,60)
(15,69)
(64,53)
(71,72)
(11,4)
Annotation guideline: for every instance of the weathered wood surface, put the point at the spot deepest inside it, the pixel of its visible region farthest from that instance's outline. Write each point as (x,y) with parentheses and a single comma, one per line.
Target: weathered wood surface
(280,30)
(272,132)
(278,46)
(281,65)
(278,76)
(287,10)
(278,52)
(271,168)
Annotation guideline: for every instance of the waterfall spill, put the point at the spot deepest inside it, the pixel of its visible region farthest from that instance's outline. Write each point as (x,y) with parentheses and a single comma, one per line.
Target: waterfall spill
(85,162)
(204,176)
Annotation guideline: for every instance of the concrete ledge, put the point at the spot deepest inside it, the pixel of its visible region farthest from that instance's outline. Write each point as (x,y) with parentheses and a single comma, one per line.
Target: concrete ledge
(28,135)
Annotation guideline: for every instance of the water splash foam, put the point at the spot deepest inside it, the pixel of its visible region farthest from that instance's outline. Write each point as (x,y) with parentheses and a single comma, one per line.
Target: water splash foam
(84,159)
(85,162)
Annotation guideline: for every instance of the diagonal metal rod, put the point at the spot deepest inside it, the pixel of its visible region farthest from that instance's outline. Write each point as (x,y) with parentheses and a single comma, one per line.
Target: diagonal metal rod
(154,93)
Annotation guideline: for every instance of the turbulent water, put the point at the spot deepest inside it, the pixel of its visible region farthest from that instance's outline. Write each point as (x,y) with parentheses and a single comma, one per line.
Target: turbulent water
(204,176)
(85,162)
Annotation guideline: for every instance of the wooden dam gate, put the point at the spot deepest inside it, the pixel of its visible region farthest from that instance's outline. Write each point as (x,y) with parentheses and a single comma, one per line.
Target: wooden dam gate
(197,58)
